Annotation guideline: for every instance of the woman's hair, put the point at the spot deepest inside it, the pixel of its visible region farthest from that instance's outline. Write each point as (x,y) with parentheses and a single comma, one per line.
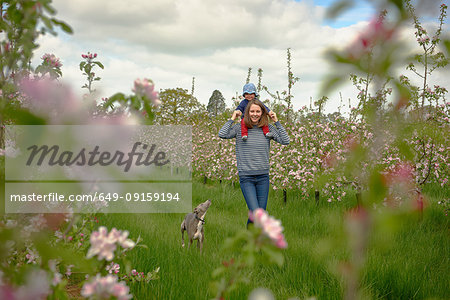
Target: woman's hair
(264,121)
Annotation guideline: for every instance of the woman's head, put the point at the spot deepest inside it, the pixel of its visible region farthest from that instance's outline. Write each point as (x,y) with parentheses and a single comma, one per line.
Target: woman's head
(255,114)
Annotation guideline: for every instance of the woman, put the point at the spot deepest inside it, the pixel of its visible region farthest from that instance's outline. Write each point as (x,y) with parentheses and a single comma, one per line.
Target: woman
(252,154)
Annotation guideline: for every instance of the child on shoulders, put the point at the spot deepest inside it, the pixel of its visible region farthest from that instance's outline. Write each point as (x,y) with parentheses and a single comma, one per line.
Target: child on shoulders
(249,92)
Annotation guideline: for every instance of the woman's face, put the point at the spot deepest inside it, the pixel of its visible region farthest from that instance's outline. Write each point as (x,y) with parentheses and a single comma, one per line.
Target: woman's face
(255,113)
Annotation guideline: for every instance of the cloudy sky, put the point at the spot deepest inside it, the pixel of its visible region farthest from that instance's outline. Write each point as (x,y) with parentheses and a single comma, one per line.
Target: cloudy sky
(172,41)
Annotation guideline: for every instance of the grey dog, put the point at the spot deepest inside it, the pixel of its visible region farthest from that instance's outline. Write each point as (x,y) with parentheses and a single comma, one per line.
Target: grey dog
(193,224)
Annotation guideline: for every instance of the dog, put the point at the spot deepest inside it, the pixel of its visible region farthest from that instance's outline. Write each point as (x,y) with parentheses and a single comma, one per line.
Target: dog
(193,224)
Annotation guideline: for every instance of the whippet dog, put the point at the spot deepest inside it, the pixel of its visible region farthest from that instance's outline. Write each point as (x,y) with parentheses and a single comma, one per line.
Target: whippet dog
(193,224)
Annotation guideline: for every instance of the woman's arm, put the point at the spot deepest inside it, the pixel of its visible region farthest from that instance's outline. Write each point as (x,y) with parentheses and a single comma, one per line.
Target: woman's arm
(279,133)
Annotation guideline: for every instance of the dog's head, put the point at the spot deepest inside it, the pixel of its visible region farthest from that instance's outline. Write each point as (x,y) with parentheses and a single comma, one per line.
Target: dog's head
(202,207)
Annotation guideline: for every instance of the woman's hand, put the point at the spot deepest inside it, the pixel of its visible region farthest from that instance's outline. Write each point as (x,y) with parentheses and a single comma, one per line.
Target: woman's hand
(236,114)
(273,116)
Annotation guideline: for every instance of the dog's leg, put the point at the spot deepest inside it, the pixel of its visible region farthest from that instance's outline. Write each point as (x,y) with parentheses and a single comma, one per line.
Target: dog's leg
(182,234)
(201,239)
(200,243)
(190,243)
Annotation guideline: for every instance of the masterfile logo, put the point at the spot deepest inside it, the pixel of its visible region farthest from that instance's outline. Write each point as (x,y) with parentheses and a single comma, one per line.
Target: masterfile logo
(53,156)
(105,168)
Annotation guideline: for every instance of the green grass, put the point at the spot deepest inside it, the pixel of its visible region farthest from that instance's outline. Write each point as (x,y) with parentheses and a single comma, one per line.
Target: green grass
(410,262)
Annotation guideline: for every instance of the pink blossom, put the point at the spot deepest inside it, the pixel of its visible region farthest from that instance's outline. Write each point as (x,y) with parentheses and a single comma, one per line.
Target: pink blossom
(423,40)
(31,256)
(104,244)
(145,88)
(52,60)
(89,56)
(377,31)
(402,173)
(36,286)
(270,226)
(113,268)
(121,238)
(56,278)
(105,288)
(50,99)
(69,270)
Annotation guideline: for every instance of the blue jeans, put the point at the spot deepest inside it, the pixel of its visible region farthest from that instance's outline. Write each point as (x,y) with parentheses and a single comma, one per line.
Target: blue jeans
(255,189)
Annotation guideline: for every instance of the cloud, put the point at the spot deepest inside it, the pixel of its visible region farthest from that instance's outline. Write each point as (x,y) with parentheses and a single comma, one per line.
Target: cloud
(176,26)
(172,41)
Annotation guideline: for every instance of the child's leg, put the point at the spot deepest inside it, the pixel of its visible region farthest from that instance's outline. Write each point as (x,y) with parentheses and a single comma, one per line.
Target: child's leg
(244,130)
(266,131)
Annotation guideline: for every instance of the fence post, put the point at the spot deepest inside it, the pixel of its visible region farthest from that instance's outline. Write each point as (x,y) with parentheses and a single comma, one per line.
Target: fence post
(358,197)
(2,131)
(419,203)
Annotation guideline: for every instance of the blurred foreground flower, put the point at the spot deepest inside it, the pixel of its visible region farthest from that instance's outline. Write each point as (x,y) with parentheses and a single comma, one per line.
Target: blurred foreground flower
(261,294)
(49,99)
(105,288)
(270,226)
(104,244)
(36,286)
(375,33)
(263,242)
(113,268)
(358,226)
(146,88)
(401,173)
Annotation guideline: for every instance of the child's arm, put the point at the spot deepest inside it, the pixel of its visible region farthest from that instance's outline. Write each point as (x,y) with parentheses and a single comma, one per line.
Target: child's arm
(228,131)
(241,106)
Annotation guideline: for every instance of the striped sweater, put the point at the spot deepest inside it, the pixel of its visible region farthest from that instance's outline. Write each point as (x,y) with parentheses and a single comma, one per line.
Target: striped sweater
(252,155)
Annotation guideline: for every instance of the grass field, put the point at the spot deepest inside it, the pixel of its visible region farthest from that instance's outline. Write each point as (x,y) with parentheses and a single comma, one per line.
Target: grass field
(410,262)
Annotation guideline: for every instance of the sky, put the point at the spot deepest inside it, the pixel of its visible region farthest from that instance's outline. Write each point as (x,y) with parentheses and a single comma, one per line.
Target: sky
(172,41)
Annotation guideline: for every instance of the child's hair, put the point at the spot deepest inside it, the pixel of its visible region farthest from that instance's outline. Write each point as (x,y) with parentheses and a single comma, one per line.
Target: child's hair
(264,121)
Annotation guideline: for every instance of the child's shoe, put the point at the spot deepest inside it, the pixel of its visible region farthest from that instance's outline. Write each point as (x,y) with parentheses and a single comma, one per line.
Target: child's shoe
(269,135)
(244,137)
